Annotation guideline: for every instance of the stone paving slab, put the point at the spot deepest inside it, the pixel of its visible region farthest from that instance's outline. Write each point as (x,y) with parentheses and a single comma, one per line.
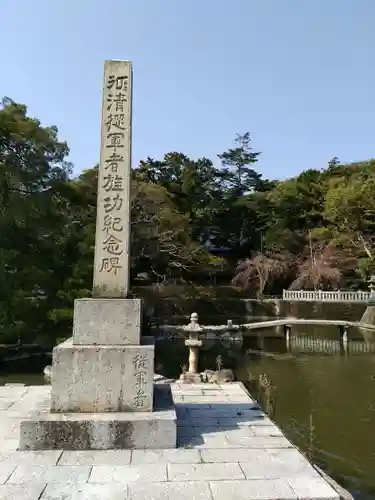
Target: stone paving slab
(21,491)
(50,474)
(258,442)
(226,413)
(234,455)
(8,444)
(128,474)
(12,392)
(48,457)
(186,490)
(266,430)
(278,468)
(5,403)
(89,457)
(306,487)
(179,455)
(204,472)
(6,471)
(86,491)
(228,450)
(275,489)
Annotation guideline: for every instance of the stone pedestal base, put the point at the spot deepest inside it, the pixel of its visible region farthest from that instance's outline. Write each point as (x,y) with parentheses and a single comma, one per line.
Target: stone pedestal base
(107,321)
(104,431)
(102,378)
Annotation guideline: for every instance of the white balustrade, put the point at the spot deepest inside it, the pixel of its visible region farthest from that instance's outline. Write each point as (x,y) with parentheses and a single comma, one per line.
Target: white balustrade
(328,296)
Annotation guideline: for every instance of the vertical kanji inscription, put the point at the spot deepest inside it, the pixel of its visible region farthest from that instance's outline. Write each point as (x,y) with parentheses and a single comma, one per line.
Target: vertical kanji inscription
(141,367)
(112,241)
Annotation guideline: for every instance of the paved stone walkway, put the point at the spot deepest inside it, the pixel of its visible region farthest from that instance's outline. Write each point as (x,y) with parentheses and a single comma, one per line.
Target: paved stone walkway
(228,450)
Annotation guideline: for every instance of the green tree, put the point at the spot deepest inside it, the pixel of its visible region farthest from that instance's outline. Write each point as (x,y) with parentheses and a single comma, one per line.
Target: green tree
(193,186)
(333,165)
(298,202)
(242,214)
(33,218)
(240,177)
(350,209)
(162,241)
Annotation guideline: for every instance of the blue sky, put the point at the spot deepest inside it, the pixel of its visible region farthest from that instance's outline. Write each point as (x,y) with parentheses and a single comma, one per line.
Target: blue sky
(299,75)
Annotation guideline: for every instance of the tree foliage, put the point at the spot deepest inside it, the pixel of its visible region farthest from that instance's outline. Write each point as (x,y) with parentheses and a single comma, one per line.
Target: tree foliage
(194,221)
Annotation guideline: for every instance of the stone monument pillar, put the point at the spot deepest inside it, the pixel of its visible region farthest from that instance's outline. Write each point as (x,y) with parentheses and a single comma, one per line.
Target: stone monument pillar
(103,395)
(112,241)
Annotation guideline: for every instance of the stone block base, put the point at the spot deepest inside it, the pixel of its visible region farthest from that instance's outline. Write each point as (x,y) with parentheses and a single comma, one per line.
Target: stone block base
(107,321)
(99,379)
(190,378)
(104,431)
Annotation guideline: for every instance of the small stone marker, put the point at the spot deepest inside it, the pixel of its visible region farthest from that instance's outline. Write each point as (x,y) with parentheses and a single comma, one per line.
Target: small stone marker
(112,240)
(102,394)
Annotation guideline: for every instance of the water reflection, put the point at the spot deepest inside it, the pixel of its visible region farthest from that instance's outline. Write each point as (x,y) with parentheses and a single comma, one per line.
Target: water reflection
(334,389)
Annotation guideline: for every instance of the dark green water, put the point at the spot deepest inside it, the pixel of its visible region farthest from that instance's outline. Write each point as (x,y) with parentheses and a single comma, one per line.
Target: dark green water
(331,398)
(334,392)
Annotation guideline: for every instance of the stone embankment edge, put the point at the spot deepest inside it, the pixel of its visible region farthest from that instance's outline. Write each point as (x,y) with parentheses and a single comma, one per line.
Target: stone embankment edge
(342,492)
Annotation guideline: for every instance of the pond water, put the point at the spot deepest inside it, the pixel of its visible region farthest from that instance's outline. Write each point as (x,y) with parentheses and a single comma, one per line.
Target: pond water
(324,401)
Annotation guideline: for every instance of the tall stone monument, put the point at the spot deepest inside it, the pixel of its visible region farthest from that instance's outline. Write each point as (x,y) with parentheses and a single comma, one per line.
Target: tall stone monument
(103,394)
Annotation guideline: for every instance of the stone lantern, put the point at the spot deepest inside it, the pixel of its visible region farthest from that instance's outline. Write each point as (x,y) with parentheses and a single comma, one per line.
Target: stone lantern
(193,343)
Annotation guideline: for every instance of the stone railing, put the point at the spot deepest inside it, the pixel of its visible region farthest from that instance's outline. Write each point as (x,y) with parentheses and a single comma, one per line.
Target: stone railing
(328,296)
(230,331)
